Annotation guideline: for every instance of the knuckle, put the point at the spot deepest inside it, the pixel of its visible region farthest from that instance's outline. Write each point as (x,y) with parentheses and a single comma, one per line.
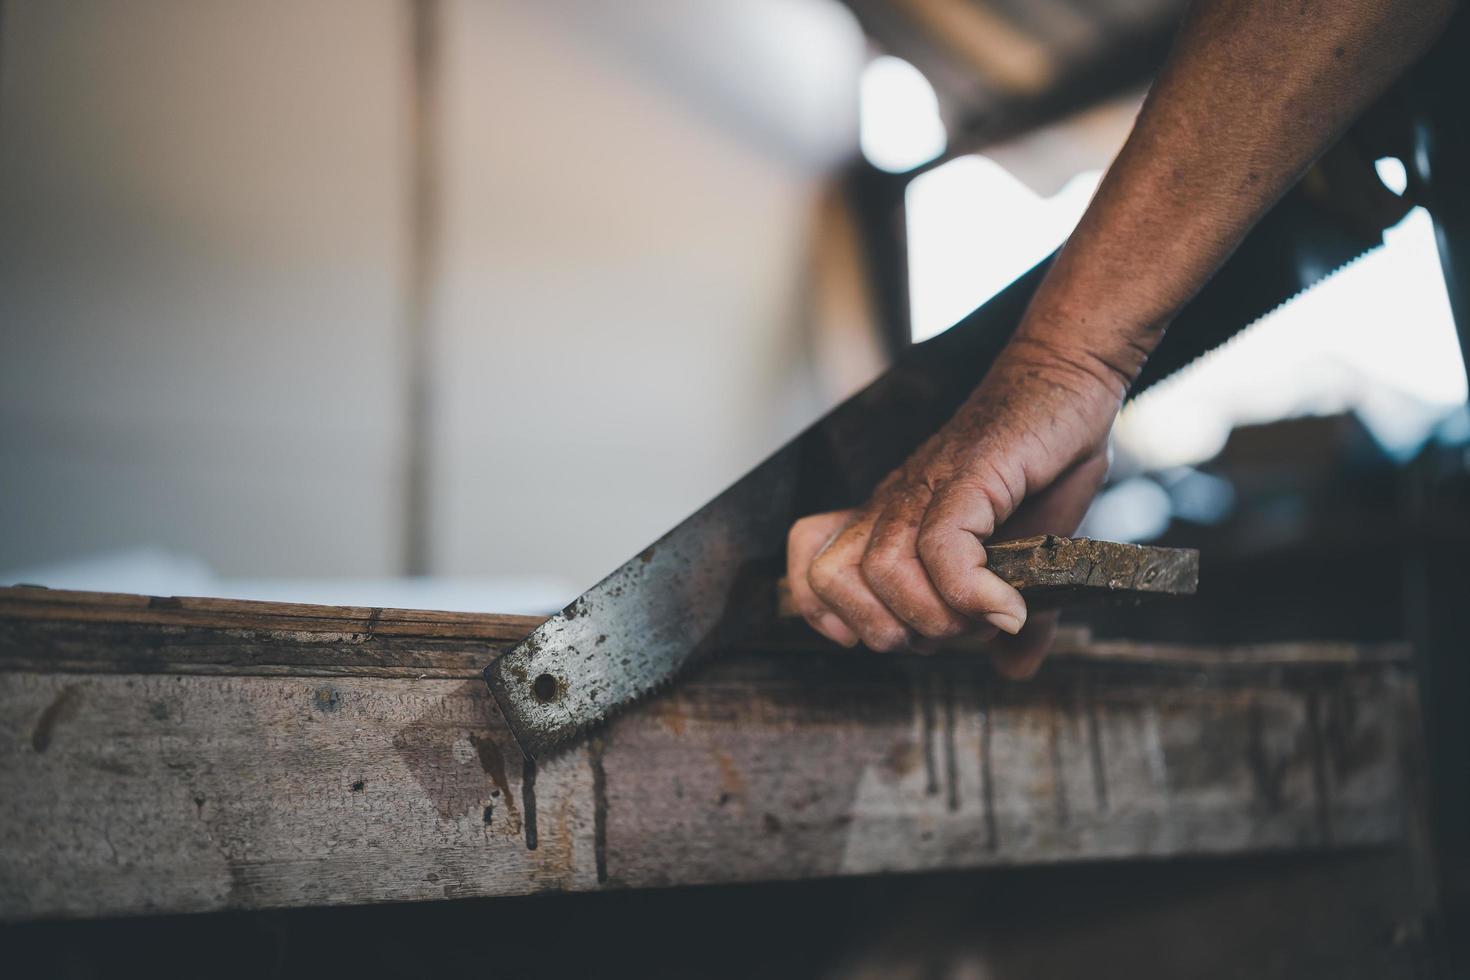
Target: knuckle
(970,481)
(931,543)
(825,577)
(946,481)
(957,596)
(878,569)
(973,495)
(939,566)
(917,491)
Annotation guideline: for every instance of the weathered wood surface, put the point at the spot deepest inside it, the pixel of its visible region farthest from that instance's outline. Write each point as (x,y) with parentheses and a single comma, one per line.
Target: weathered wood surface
(1051,563)
(182,755)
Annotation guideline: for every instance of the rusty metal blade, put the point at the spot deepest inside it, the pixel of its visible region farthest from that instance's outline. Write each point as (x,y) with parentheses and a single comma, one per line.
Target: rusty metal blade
(687,594)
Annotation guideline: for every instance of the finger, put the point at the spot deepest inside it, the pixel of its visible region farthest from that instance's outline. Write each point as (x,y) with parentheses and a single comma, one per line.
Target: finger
(1060,507)
(809,536)
(836,577)
(1019,657)
(1056,510)
(959,518)
(892,569)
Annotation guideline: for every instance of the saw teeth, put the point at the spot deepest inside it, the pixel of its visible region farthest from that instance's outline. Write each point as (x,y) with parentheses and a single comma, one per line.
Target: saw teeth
(1250,326)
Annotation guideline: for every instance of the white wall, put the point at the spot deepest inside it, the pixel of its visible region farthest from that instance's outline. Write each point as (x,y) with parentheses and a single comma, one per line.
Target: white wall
(618,335)
(203,214)
(199,237)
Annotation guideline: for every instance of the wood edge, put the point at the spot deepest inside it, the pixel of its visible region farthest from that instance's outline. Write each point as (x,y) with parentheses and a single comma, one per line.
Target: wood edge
(294,621)
(60,605)
(184,668)
(1076,644)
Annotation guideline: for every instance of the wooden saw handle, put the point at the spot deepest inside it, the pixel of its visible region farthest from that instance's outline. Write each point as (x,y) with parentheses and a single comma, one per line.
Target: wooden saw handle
(1053,571)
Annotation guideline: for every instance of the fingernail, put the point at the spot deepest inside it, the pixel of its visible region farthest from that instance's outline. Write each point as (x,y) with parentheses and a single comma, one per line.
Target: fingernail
(1004,622)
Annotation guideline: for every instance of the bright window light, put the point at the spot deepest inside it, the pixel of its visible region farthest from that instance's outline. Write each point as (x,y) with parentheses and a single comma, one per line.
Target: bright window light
(1377,338)
(1392,172)
(973,229)
(1136,509)
(899,126)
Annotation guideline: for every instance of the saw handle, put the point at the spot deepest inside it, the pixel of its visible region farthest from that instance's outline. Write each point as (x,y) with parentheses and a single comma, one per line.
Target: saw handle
(1051,571)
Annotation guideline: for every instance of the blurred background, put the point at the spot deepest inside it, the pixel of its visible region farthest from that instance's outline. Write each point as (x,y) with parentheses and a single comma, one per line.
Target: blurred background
(300,299)
(458,304)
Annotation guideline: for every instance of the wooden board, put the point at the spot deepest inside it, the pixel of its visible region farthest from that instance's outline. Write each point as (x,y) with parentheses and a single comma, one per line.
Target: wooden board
(186,755)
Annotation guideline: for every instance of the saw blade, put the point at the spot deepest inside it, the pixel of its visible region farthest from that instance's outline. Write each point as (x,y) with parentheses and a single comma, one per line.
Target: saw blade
(690,592)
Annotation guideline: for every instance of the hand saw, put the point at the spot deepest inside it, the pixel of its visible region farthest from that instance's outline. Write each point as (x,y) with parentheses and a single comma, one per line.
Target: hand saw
(693,590)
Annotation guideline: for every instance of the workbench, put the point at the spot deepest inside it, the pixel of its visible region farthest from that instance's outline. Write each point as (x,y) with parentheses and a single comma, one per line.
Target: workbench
(185,755)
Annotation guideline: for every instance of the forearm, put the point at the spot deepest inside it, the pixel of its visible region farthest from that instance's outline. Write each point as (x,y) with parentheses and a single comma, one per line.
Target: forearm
(1251,94)
(1253,91)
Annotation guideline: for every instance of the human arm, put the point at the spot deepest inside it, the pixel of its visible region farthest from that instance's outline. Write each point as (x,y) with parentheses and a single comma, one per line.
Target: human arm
(1251,94)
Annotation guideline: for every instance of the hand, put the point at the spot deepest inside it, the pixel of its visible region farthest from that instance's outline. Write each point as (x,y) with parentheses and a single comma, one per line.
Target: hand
(1025,455)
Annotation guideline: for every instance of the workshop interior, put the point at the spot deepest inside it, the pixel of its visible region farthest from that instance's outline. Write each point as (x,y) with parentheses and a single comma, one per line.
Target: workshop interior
(359,352)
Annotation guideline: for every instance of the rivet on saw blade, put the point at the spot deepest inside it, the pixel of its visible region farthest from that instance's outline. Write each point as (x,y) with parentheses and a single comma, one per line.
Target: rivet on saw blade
(546,688)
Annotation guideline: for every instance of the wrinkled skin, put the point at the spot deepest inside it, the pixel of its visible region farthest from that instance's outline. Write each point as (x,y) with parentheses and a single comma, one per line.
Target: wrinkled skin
(909,565)
(1253,92)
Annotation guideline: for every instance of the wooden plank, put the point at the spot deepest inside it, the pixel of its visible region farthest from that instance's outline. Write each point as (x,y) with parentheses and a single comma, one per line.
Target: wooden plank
(148,774)
(54,630)
(34,603)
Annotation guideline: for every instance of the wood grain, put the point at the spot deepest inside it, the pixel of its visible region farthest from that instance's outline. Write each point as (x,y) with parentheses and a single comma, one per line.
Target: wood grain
(280,758)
